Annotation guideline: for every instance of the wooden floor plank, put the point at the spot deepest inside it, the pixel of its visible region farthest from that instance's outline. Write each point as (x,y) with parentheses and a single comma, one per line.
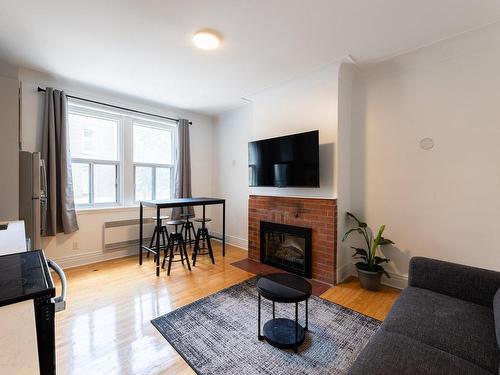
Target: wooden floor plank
(106,327)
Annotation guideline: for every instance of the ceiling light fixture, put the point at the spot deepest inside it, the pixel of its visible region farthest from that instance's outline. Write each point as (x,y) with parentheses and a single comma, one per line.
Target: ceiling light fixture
(206,39)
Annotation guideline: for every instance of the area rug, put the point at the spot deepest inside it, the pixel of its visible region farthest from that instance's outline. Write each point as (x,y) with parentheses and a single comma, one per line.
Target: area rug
(218,335)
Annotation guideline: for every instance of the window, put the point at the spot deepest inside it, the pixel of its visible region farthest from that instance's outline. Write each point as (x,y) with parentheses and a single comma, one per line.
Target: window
(94,145)
(117,158)
(153,161)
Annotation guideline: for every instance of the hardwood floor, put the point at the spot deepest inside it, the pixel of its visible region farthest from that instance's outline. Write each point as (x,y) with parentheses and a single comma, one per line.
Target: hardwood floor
(351,295)
(106,327)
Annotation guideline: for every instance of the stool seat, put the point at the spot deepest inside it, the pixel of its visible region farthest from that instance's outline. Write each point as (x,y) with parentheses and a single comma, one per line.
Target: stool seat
(175,222)
(161,218)
(175,244)
(202,220)
(187,216)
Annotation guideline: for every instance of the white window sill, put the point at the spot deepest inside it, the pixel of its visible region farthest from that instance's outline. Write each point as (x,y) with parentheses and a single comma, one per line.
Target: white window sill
(94,210)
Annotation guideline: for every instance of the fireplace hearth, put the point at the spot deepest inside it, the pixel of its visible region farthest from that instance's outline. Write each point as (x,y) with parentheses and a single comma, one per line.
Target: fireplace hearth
(286,247)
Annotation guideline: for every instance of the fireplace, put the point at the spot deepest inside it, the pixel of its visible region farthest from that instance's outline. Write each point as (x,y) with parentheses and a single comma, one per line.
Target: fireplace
(287,247)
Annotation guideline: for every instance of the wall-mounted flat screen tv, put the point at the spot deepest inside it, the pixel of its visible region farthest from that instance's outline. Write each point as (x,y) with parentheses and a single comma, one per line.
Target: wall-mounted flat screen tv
(289,161)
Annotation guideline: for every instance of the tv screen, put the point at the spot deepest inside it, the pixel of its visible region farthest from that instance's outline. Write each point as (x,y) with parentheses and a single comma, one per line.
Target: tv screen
(289,161)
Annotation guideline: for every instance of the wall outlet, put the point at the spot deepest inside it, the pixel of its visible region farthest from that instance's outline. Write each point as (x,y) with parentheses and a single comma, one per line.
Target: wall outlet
(76,245)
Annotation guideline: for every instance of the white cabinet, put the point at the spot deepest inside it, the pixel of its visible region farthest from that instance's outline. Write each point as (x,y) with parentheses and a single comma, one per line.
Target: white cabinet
(18,342)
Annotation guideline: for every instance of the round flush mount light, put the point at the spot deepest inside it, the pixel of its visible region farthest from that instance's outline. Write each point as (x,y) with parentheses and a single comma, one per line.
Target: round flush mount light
(207,39)
(427,144)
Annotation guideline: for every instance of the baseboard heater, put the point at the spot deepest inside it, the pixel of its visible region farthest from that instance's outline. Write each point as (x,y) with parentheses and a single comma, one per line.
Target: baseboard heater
(119,234)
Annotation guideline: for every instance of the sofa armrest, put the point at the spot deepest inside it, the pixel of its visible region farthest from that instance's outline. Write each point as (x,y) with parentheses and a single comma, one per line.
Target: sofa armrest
(471,284)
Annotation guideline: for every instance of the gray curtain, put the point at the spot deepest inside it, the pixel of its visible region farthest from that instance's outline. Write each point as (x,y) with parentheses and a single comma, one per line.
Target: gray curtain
(182,188)
(61,215)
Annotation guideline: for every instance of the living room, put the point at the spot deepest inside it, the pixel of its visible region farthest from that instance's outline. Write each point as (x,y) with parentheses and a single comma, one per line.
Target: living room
(250,187)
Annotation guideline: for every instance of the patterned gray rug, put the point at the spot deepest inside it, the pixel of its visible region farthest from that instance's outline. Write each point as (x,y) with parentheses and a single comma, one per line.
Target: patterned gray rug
(218,335)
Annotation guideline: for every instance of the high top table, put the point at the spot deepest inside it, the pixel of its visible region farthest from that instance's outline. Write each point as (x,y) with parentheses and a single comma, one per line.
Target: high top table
(171,203)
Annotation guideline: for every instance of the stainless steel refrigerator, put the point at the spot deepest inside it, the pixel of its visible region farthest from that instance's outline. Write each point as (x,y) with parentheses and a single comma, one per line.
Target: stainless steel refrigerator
(32,196)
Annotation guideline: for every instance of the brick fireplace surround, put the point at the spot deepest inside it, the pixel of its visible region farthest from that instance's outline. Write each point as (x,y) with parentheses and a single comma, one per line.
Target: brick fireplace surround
(318,214)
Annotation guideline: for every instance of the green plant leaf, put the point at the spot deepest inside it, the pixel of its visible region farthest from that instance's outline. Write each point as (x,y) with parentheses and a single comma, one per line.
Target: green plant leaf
(381,269)
(360,223)
(359,253)
(362,266)
(385,241)
(349,232)
(379,260)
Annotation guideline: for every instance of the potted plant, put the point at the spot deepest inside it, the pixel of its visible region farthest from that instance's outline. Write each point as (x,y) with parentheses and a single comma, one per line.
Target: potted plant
(369,268)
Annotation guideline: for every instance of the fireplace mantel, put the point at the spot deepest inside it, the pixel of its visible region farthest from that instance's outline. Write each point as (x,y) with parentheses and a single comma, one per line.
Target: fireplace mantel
(316,213)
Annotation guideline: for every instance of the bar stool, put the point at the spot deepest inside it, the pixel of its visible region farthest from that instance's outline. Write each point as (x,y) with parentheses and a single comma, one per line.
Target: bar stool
(163,232)
(202,235)
(175,244)
(188,228)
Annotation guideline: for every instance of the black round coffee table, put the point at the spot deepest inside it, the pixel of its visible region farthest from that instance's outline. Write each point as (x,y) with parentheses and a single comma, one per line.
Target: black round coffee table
(284,288)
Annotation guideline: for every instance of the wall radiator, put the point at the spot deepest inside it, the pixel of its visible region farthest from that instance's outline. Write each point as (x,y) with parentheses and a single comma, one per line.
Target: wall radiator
(119,234)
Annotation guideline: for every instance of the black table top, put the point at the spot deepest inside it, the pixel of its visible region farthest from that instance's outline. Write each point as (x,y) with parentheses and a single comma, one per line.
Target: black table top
(24,276)
(182,202)
(284,287)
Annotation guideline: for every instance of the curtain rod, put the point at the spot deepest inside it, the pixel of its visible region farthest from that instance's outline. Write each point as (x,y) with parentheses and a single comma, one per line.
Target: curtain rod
(118,107)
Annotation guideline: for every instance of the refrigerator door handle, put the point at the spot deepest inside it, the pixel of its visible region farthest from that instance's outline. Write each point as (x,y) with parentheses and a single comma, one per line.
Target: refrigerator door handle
(43,178)
(59,302)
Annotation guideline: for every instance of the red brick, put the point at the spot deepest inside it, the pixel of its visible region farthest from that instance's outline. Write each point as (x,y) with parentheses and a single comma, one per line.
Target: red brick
(318,214)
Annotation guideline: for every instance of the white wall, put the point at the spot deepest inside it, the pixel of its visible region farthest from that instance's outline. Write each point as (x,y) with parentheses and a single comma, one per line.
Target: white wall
(303,104)
(9,145)
(346,76)
(86,245)
(231,136)
(443,203)
(300,105)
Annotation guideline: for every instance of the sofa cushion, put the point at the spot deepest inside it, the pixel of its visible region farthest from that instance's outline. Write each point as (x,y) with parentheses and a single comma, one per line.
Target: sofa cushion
(496,313)
(461,328)
(392,353)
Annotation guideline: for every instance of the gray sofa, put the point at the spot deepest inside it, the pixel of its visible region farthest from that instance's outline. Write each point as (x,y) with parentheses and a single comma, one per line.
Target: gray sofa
(442,323)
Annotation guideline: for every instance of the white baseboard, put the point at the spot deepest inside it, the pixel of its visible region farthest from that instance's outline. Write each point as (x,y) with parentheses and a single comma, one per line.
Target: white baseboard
(234,241)
(396,281)
(83,259)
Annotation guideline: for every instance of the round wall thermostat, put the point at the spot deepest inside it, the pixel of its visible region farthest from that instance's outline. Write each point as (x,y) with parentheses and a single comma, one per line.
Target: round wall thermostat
(427,143)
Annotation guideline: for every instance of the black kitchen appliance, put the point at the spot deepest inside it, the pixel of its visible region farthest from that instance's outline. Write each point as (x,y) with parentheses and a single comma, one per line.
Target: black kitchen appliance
(26,276)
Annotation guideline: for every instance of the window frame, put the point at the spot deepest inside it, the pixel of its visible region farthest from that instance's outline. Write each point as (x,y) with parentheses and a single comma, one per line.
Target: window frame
(125,166)
(74,107)
(162,126)
(91,163)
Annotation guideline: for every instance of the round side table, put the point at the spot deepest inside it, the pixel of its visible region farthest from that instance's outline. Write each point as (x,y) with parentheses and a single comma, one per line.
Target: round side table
(283,288)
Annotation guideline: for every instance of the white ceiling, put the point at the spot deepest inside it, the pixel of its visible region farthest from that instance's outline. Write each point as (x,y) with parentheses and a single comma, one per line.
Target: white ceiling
(143,48)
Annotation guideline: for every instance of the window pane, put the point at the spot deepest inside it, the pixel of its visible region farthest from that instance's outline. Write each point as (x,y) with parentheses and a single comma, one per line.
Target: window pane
(81,177)
(93,138)
(143,183)
(162,183)
(104,183)
(152,145)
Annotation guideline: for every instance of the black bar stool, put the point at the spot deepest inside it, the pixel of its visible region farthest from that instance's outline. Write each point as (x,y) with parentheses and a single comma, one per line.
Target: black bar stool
(202,235)
(164,234)
(188,228)
(176,244)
